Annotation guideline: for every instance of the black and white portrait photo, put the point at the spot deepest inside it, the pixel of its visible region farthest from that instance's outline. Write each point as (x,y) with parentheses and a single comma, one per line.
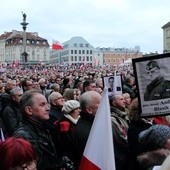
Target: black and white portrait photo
(152,76)
(113,83)
(159,87)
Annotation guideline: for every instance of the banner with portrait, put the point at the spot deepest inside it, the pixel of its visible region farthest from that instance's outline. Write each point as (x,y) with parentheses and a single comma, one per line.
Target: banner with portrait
(113,84)
(152,76)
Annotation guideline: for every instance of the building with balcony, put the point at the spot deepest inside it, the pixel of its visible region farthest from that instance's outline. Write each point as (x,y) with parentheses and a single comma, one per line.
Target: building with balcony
(11,47)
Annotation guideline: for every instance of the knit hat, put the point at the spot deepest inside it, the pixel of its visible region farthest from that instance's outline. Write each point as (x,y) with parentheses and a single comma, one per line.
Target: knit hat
(155,137)
(69,106)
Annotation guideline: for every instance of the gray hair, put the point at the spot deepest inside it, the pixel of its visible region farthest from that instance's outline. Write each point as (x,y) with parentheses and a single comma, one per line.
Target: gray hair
(15,90)
(53,96)
(9,82)
(42,80)
(113,98)
(86,99)
(27,99)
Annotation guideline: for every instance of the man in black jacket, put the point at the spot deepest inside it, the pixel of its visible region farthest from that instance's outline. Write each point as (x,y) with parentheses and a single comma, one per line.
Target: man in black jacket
(89,103)
(35,111)
(11,115)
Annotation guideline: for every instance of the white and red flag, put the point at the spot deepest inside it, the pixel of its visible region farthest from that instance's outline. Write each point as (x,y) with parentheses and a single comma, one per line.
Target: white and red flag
(99,150)
(56,45)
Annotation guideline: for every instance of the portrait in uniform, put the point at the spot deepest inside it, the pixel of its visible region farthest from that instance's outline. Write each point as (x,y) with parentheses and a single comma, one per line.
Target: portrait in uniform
(158,88)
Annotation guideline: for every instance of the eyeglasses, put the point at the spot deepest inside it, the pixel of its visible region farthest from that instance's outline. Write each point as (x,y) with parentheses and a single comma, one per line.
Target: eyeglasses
(60,98)
(32,165)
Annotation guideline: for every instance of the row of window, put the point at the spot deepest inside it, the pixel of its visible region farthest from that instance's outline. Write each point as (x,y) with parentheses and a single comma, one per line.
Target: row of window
(81,58)
(27,42)
(113,60)
(119,55)
(80,45)
(81,51)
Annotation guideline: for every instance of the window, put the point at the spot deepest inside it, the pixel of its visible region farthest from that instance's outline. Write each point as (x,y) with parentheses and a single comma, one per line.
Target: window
(87,45)
(75,58)
(168,33)
(90,51)
(79,58)
(79,51)
(75,44)
(33,52)
(71,58)
(28,42)
(83,52)
(71,51)
(87,51)
(81,45)
(75,51)
(87,58)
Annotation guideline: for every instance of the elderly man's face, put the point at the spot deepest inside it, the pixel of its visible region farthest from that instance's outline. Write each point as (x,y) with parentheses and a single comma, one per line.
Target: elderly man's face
(58,101)
(153,73)
(119,102)
(40,108)
(17,96)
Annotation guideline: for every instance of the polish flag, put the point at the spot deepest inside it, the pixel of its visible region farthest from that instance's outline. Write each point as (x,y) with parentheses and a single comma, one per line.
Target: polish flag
(57,45)
(99,150)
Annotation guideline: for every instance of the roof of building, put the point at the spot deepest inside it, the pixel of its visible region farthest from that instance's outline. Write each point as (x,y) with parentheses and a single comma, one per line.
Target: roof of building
(166,25)
(77,40)
(19,35)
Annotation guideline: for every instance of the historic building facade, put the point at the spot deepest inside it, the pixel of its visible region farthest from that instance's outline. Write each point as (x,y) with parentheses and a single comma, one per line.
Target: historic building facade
(117,56)
(11,47)
(76,51)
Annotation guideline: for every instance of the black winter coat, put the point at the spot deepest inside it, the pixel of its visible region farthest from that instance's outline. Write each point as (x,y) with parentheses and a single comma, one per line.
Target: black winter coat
(80,136)
(11,117)
(41,141)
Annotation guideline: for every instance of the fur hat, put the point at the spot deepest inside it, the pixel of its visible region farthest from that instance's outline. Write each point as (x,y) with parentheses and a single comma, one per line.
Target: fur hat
(155,137)
(69,106)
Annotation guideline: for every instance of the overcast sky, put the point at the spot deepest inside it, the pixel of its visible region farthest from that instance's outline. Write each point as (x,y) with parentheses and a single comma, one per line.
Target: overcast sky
(103,23)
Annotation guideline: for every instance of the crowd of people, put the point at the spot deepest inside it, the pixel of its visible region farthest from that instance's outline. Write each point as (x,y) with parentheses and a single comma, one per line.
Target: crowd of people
(46,115)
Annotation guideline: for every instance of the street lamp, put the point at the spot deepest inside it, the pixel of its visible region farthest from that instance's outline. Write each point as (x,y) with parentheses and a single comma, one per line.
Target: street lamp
(24,26)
